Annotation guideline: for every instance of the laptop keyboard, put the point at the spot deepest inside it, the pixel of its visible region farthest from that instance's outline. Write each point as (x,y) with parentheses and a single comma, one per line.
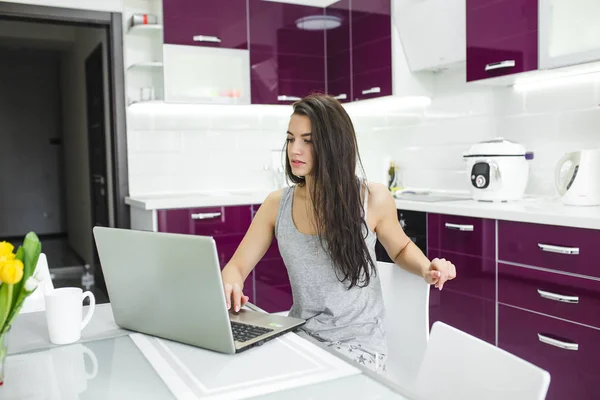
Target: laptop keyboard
(244,332)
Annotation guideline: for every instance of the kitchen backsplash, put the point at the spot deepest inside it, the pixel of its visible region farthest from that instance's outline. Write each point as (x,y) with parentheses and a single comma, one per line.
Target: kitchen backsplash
(186,148)
(548,118)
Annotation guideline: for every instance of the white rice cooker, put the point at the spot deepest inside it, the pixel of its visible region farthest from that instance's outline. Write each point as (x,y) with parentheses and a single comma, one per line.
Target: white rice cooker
(498,170)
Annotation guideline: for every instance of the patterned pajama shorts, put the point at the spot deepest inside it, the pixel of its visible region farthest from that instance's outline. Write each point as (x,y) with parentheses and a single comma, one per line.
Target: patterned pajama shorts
(373,361)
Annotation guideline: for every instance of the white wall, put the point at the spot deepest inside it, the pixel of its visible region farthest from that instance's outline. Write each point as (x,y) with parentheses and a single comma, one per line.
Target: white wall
(429,144)
(97,5)
(79,220)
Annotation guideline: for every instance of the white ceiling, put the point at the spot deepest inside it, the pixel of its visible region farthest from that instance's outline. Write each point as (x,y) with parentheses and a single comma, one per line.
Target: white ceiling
(316,3)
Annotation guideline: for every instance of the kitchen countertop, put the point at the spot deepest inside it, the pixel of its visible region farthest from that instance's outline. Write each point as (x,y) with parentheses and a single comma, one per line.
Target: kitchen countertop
(534,210)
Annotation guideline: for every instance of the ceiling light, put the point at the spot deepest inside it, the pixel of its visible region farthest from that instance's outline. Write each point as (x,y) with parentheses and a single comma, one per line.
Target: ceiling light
(318,22)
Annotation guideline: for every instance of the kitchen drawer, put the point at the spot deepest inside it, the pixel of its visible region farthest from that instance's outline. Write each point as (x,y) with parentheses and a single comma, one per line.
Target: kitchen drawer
(466,235)
(209,221)
(476,276)
(545,246)
(573,373)
(548,293)
(472,315)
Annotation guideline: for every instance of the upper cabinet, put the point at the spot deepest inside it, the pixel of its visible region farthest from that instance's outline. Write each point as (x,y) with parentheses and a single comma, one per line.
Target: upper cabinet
(569,32)
(502,37)
(210,23)
(371,41)
(205,51)
(339,72)
(270,52)
(287,51)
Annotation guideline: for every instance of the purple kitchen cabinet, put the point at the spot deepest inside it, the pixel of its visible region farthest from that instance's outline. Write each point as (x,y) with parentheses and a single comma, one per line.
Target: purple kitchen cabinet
(210,23)
(571,298)
(339,76)
(502,37)
(473,315)
(287,61)
(559,248)
(273,290)
(476,276)
(464,235)
(568,351)
(209,221)
(371,48)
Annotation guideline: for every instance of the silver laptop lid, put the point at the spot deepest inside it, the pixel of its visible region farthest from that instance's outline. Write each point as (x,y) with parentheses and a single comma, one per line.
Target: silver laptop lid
(166,285)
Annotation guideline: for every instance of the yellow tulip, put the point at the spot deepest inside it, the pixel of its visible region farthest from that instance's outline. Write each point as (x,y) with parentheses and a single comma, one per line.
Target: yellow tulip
(6,251)
(11,272)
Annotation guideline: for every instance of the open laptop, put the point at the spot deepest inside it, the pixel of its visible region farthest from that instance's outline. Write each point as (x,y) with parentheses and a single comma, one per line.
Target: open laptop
(169,285)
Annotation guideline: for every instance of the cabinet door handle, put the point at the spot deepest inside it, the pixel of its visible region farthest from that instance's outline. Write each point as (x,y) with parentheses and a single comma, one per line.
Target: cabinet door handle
(205,38)
(500,65)
(201,216)
(342,96)
(559,249)
(458,227)
(283,97)
(558,343)
(372,90)
(558,297)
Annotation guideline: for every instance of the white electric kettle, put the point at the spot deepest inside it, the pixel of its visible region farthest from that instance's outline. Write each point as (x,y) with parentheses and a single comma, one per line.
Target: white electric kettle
(577,178)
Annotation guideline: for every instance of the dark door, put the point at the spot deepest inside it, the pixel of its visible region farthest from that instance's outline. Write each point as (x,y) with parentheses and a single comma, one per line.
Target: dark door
(94,83)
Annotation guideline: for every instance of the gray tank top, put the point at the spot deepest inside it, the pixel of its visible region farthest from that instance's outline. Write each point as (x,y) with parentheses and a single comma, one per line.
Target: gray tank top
(333,313)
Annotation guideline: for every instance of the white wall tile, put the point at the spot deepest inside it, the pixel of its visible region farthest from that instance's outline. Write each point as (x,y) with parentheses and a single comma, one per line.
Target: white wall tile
(577,95)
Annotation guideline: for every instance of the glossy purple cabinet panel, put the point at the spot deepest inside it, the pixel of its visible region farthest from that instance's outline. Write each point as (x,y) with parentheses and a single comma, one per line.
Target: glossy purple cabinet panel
(372,84)
(273,290)
(472,315)
(574,373)
(339,76)
(524,243)
(187,21)
(465,235)
(371,49)
(286,61)
(209,221)
(500,31)
(571,298)
(476,276)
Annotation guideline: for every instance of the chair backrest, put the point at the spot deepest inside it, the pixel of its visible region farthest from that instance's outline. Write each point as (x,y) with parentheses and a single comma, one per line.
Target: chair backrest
(35,302)
(460,366)
(406,299)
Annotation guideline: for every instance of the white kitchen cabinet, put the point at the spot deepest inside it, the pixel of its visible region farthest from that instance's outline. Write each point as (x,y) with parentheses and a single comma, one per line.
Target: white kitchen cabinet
(196,74)
(569,32)
(432,32)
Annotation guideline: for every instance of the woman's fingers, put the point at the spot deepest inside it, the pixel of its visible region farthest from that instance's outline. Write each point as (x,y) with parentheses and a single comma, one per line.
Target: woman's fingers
(237,298)
(228,291)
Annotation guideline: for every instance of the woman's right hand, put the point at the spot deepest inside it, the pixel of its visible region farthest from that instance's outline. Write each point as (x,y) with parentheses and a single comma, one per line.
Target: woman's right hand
(234,296)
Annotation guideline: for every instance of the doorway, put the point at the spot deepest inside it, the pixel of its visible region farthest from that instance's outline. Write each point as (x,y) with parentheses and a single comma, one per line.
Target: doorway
(63,122)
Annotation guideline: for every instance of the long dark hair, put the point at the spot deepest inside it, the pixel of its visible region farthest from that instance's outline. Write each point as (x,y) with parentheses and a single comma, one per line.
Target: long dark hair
(336,190)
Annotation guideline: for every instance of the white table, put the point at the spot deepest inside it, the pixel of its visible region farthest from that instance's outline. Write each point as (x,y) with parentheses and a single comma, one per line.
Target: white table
(110,362)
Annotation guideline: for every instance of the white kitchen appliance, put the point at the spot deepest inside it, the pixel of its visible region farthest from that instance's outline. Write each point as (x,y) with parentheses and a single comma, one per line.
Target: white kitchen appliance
(577,178)
(498,170)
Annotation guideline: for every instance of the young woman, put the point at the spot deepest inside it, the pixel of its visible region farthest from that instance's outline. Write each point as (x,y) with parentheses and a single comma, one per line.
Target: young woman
(326,227)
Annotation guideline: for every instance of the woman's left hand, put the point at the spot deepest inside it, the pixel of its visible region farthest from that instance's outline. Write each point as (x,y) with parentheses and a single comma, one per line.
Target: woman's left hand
(440,270)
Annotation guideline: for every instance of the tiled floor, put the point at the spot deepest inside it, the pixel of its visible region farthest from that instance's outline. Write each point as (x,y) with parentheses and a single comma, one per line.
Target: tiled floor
(67,268)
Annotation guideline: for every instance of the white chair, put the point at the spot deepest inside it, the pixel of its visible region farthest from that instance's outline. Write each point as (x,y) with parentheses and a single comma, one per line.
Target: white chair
(460,366)
(35,301)
(406,300)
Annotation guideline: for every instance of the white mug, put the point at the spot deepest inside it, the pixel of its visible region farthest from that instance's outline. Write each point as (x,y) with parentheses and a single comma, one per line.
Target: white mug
(64,310)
